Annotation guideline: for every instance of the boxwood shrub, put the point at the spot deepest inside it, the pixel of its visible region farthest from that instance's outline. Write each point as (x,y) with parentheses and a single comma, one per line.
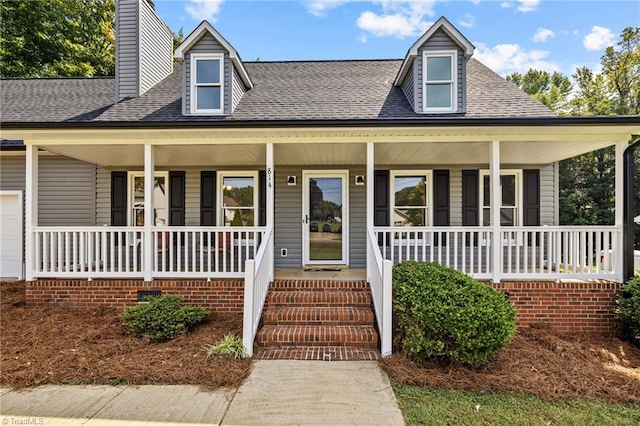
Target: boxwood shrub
(162,318)
(444,314)
(629,310)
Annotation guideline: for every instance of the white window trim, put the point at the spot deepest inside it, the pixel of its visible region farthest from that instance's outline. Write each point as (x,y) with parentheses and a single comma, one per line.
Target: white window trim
(130,182)
(519,189)
(454,81)
(256,191)
(194,93)
(392,195)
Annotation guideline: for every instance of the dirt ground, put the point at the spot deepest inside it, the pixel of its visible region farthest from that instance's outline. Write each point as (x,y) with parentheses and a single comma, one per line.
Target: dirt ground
(90,346)
(539,362)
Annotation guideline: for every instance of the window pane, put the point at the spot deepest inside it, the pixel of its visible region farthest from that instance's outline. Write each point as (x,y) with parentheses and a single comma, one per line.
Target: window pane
(438,68)
(238,217)
(208,98)
(409,217)
(507,216)
(238,191)
(410,191)
(159,201)
(508,190)
(439,95)
(208,71)
(486,217)
(486,193)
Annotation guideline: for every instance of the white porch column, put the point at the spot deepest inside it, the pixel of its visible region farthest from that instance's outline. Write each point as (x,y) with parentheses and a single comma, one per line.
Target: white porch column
(149,245)
(619,206)
(31,209)
(496,204)
(370,192)
(270,203)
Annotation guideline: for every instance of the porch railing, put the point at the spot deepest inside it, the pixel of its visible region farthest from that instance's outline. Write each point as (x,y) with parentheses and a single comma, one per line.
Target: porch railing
(379,277)
(541,252)
(118,252)
(258,276)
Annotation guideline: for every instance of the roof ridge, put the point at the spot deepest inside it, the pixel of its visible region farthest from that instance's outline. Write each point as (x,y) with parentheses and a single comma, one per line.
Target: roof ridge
(323,61)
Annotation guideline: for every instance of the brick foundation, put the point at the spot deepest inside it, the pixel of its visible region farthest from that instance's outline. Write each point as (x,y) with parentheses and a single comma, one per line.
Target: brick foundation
(581,307)
(224,295)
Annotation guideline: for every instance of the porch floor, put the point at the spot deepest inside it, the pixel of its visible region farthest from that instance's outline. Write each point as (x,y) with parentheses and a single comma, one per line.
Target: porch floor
(321,272)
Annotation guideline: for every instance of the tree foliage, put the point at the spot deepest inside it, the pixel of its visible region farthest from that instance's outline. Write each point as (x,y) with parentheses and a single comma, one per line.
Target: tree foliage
(67,38)
(552,90)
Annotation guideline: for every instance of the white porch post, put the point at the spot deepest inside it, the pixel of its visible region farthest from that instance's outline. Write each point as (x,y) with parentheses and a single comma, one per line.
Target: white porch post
(270,202)
(148,246)
(31,209)
(370,191)
(619,206)
(496,204)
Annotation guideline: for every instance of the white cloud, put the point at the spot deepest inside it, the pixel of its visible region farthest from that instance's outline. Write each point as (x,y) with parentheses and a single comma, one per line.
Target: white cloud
(506,5)
(320,7)
(598,38)
(528,5)
(203,9)
(476,1)
(542,35)
(468,20)
(508,58)
(398,18)
(362,38)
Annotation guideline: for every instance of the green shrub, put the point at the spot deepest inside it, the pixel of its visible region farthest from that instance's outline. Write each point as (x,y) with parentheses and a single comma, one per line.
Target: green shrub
(443,313)
(629,310)
(229,346)
(162,318)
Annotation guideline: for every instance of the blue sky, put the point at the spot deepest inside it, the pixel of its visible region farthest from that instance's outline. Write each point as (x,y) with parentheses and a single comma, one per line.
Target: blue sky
(509,35)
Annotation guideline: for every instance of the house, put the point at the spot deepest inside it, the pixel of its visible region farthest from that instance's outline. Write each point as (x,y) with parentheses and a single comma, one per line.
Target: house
(435,141)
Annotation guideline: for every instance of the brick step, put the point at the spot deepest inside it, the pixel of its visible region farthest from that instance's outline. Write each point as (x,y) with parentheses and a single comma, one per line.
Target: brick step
(318,353)
(359,336)
(329,316)
(318,285)
(318,298)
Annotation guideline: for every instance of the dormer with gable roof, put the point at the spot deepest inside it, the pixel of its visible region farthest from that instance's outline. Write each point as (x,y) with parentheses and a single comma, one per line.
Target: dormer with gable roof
(214,78)
(433,75)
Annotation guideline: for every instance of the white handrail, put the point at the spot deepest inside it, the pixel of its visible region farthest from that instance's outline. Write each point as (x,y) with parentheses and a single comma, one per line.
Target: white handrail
(258,276)
(380,280)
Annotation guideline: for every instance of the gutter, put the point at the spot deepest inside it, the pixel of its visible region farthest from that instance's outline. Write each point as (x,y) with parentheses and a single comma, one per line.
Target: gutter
(408,122)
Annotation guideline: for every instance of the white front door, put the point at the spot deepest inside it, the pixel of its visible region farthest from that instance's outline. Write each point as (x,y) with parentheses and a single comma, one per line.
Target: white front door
(325,217)
(11,231)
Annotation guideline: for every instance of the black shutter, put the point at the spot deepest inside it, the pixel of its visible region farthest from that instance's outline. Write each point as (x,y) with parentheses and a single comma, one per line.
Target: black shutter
(470,198)
(381,215)
(531,196)
(176,198)
(262,198)
(207,198)
(118,198)
(441,198)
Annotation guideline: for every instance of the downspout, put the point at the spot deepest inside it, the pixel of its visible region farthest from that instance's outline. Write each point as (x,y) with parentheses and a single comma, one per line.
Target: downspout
(628,236)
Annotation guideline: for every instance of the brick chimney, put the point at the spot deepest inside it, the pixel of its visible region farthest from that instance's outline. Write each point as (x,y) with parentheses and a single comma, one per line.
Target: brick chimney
(144,48)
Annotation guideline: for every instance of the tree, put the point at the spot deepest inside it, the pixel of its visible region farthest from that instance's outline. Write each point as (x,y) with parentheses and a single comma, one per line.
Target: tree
(552,90)
(621,69)
(57,38)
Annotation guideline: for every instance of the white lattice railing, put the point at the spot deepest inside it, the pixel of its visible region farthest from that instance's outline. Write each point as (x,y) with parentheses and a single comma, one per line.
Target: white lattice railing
(379,277)
(258,276)
(118,252)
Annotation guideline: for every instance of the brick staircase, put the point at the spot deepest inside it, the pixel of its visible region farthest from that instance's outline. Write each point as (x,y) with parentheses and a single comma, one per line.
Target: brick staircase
(318,320)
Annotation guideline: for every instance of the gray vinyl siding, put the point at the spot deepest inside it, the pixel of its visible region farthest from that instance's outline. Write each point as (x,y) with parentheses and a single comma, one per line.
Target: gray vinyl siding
(238,89)
(357,219)
(127,48)
(207,44)
(156,49)
(440,41)
(192,197)
(103,196)
(66,189)
(408,88)
(547,195)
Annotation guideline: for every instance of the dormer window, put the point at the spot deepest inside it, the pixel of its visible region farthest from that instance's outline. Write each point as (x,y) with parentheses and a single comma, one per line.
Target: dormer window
(440,81)
(207,92)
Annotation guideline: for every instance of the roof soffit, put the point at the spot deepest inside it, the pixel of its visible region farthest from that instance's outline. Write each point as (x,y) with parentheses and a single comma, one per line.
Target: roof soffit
(449,30)
(197,34)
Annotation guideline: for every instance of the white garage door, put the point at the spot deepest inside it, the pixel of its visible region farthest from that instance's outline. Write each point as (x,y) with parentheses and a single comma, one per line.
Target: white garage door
(11,234)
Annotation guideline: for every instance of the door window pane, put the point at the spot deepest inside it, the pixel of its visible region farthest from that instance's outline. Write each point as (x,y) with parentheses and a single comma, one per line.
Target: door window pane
(325,219)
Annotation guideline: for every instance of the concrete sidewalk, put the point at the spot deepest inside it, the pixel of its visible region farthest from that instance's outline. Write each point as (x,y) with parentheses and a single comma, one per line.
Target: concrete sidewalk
(276,392)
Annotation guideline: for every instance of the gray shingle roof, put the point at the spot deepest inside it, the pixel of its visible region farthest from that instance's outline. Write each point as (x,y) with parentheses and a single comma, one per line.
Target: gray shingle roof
(314,90)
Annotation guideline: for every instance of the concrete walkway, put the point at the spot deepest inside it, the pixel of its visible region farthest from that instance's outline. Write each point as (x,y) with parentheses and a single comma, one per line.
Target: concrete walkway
(276,393)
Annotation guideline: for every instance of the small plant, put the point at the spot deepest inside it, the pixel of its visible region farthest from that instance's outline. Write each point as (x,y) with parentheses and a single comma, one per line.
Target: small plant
(629,310)
(162,318)
(229,346)
(443,313)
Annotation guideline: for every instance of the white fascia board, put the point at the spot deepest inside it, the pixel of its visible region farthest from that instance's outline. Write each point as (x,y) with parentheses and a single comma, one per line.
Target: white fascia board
(233,54)
(450,30)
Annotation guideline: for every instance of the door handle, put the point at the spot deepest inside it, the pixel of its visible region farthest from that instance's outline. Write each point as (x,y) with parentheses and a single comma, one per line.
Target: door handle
(306,218)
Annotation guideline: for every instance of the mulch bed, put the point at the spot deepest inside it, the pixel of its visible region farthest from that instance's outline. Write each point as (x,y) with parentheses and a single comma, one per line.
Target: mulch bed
(53,345)
(539,362)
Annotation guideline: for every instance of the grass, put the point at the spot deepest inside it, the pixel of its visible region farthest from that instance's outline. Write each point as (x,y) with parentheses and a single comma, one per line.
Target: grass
(422,406)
